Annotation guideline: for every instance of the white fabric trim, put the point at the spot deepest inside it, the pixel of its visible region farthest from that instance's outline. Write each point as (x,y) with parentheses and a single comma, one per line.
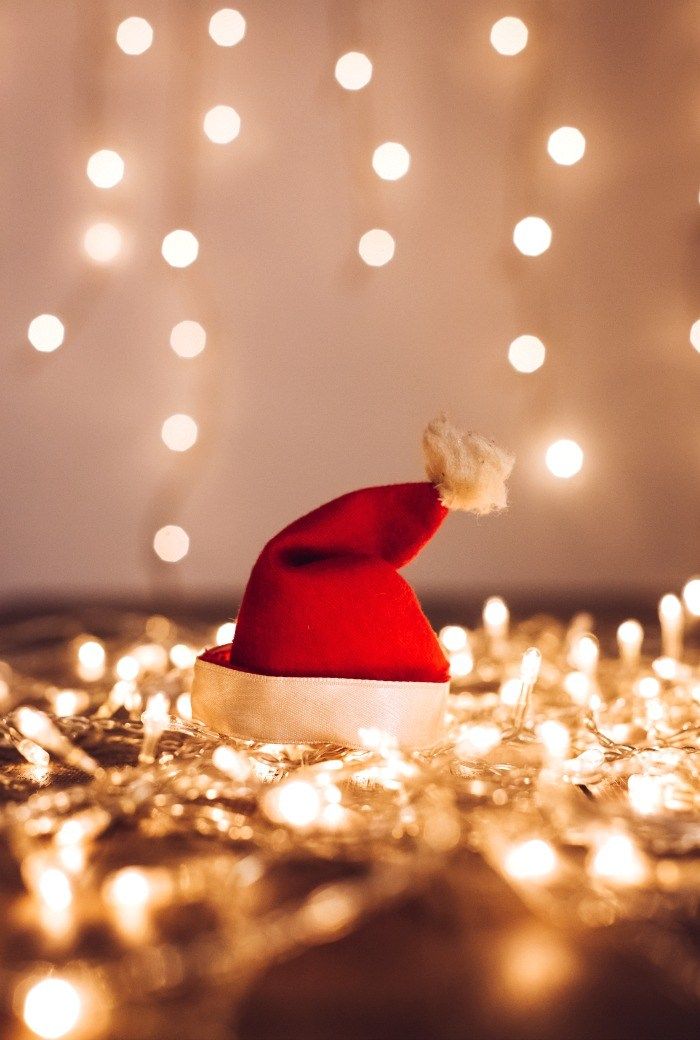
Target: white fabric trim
(280,710)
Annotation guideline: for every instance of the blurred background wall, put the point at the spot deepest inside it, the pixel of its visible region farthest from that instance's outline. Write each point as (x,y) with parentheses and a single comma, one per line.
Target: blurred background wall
(319,371)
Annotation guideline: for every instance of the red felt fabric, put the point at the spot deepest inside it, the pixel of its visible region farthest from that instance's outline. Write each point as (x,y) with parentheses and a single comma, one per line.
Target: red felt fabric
(325,599)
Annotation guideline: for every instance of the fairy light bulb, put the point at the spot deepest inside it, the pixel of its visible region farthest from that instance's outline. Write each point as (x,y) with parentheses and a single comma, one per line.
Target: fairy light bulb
(533,860)
(584,655)
(155,719)
(630,636)
(92,658)
(529,674)
(52,1008)
(222,124)
(618,860)
(171,543)
(555,738)
(509,36)
(188,339)
(294,802)
(526,354)
(232,763)
(353,70)
(134,35)
(476,741)
(645,793)
(46,333)
(566,146)
(225,633)
(180,248)
(69,702)
(496,618)
(179,432)
(391,161)
(691,596)
(564,459)
(102,242)
(128,888)
(182,656)
(695,335)
(105,168)
(671,619)
(648,687)
(376,247)
(461,664)
(532,236)
(453,638)
(227,27)
(127,668)
(54,889)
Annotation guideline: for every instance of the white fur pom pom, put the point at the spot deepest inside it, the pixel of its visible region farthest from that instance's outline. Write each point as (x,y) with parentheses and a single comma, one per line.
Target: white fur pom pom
(469,471)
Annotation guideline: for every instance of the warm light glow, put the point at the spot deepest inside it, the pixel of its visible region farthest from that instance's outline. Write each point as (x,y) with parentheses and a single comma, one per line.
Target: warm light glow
(453,638)
(180,248)
(134,35)
(45,333)
(182,656)
(127,668)
(128,888)
(648,687)
(578,687)
(391,161)
(564,459)
(532,860)
(225,633)
(584,654)
(231,762)
(671,618)
(555,738)
(691,596)
(509,692)
(179,432)
(670,608)
(461,664)
(188,339)
(496,616)
(376,247)
(222,124)
(183,706)
(526,353)
(566,145)
(353,71)
(530,665)
(630,636)
(102,242)
(227,27)
(52,1008)
(476,741)
(645,793)
(295,802)
(69,702)
(54,889)
(695,334)
(509,36)
(105,168)
(171,543)
(91,660)
(532,236)
(618,859)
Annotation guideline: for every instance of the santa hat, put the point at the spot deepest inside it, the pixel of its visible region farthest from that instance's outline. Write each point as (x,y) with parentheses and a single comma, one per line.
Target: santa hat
(330,639)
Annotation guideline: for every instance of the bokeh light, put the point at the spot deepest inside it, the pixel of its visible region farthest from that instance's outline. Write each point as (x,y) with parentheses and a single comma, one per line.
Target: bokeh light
(353,70)
(188,339)
(134,35)
(227,27)
(376,247)
(526,353)
(691,596)
(532,236)
(105,168)
(564,459)
(391,161)
(509,36)
(225,633)
(171,543)
(179,432)
(531,860)
(566,145)
(46,333)
(695,334)
(52,1008)
(222,124)
(180,248)
(102,242)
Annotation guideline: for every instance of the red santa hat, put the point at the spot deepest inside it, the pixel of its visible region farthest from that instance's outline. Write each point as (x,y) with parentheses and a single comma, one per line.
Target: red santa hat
(330,639)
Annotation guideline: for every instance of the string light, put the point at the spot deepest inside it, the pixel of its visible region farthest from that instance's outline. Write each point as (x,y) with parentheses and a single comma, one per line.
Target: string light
(532,236)
(105,168)
(46,333)
(134,35)
(509,36)
(630,636)
(52,1008)
(618,860)
(461,664)
(179,432)
(182,656)
(188,339)
(564,459)
(526,353)
(295,802)
(566,145)
(91,660)
(222,124)
(695,334)
(225,633)
(180,248)
(691,596)
(227,27)
(391,161)
(353,70)
(671,618)
(453,638)
(376,247)
(533,860)
(171,543)
(102,242)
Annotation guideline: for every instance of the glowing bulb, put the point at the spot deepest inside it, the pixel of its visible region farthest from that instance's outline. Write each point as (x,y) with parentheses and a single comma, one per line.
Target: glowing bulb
(578,687)
(102,242)
(453,638)
(496,616)
(45,333)
(105,168)
(509,36)
(295,802)
(376,247)
(584,654)
(630,636)
(91,659)
(617,859)
(188,339)
(648,687)
(461,664)
(128,888)
(645,793)
(231,762)
(671,618)
(183,705)
(69,702)
(564,459)
(526,353)
(509,692)
(478,740)
(179,432)
(566,145)
(353,70)
(532,236)
(555,738)
(532,860)
(391,161)
(134,35)
(691,596)
(225,633)
(54,889)
(127,668)
(222,124)
(52,1008)
(695,334)
(182,656)
(171,543)
(530,665)
(227,27)
(180,248)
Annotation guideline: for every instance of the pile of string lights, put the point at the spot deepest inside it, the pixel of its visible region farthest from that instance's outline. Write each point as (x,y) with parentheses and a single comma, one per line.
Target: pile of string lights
(574,773)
